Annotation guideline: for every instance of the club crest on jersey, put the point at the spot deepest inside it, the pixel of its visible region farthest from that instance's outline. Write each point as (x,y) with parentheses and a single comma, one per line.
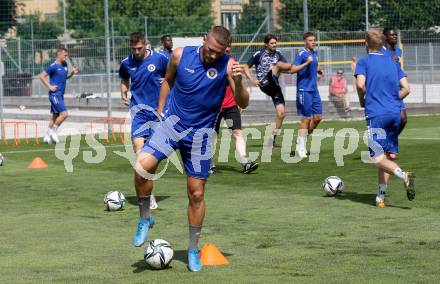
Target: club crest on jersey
(212,73)
(151,67)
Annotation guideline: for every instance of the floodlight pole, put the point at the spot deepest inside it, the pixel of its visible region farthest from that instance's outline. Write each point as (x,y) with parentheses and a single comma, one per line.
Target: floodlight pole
(269,5)
(65,23)
(306,16)
(1,94)
(367,24)
(107,67)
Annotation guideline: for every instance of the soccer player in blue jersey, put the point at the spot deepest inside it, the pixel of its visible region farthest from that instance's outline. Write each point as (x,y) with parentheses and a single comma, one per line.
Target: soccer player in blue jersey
(380,88)
(142,73)
(389,48)
(58,74)
(264,60)
(308,100)
(194,88)
(167,46)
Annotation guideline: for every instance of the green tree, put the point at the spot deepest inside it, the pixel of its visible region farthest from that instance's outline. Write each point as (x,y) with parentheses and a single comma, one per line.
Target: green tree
(41,29)
(349,15)
(8,15)
(175,17)
(251,18)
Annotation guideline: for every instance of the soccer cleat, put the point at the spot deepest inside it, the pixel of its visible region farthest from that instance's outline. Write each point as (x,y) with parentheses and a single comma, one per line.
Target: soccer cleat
(47,139)
(141,234)
(153,203)
(301,153)
(250,167)
(194,263)
(54,136)
(380,203)
(409,185)
(213,170)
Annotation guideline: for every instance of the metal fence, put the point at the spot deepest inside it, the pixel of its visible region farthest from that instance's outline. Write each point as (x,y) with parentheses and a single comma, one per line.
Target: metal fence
(421,57)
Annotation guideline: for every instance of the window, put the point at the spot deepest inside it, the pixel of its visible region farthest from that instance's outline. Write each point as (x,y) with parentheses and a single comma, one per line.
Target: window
(229,20)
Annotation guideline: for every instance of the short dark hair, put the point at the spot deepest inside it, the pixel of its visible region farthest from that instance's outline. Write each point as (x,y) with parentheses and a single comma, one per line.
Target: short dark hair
(137,37)
(269,37)
(308,34)
(162,39)
(387,30)
(61,48)
(221,34)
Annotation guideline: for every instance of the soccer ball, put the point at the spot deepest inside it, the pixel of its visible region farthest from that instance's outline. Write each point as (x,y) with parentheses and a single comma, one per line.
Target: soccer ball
(158,254)
(333,185)
(2,160)
(114,200)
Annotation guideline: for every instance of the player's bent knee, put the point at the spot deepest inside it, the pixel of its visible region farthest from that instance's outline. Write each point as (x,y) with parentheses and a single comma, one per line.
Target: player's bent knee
(196,196)
(236,133)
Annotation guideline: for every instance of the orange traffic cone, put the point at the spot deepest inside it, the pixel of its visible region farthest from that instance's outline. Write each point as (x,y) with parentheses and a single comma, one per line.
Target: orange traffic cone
(211,255)
(37,163)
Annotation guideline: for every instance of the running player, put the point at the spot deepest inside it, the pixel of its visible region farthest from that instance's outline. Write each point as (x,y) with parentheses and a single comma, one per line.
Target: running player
(381,88)
(141,73)
(195,81)
(58,75)
(263,61)
(167,46)
(308,100)
(231,113)
(390,48)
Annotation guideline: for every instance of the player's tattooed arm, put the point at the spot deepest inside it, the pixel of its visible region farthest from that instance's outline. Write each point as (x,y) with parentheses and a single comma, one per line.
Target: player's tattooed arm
(234,78)
(170,76)
(125,83)
(404,88)
(360,86)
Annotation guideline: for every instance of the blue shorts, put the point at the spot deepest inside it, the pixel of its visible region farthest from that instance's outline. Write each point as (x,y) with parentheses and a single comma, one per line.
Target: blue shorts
(142,124)
(195,146)
(57,104)
(402,106)
(308,103)
(383,131)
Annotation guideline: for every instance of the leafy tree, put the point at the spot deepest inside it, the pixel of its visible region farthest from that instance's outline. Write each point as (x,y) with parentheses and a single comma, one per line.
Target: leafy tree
(349,15)
(41,29)
(251,18)
(86,17)
(8,14)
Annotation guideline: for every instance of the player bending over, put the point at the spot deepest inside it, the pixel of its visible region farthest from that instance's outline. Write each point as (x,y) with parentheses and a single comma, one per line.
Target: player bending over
(195,81)
(142,72)
(58,75)
(381,86)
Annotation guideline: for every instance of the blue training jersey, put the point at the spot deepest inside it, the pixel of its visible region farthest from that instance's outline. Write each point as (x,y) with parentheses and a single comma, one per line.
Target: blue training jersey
(264,61)
(307,78)
(57,77)
(166,53)
(198,91)
(396,55)
(382,84)
(145,78)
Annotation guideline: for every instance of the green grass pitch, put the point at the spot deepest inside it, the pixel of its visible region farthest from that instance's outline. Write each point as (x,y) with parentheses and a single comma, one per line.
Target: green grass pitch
(274,226)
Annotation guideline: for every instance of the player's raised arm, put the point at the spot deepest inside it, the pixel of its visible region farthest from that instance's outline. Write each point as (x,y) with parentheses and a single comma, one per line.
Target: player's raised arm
(235,81)
(168,81)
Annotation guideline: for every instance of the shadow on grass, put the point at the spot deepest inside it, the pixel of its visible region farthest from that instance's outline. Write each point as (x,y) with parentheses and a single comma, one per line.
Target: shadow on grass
(133,200)
(226,168)
(366,198)
(141,266)
(179,255)
(182,255)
